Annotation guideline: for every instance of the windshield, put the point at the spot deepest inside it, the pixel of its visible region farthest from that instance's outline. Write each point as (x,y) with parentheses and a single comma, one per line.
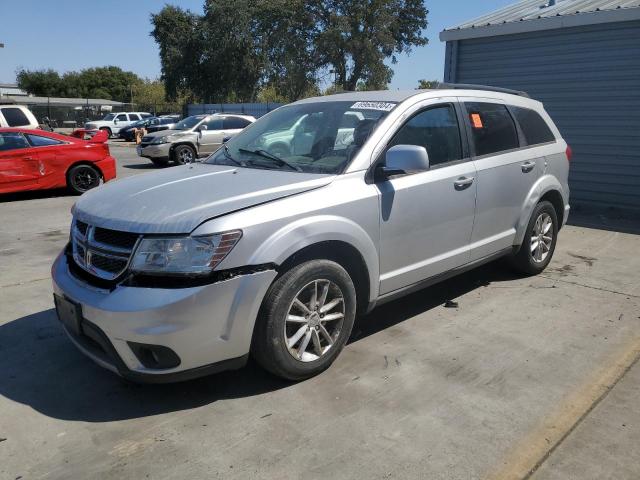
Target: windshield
(189,122)
(320,137)
(110,116)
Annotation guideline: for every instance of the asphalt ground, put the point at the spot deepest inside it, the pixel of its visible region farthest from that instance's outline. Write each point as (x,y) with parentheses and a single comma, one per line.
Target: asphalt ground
(526,378)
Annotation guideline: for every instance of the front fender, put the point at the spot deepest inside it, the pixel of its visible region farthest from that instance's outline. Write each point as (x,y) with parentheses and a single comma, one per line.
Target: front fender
(544,184)
(304,232)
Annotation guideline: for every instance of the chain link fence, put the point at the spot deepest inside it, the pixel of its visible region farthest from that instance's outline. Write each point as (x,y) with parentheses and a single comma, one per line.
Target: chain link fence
(254,109)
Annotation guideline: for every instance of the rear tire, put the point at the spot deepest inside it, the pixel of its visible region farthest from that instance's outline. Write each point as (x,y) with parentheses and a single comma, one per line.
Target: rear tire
(298,335)
(83,178)
(184,154)
(539,241)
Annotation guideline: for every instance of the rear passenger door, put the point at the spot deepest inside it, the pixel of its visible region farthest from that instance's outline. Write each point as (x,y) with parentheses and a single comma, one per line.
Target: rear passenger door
(506,172)
(232,126)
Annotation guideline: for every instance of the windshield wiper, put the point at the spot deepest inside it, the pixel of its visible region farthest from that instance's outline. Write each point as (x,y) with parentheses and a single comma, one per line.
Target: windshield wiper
(265,154)
(228,156)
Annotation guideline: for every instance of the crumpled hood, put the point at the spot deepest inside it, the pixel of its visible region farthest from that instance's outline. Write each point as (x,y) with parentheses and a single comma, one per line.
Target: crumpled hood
(178,199)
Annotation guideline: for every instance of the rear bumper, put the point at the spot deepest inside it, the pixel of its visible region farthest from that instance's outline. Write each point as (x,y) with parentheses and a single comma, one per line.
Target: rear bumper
(108,167)
(208,327)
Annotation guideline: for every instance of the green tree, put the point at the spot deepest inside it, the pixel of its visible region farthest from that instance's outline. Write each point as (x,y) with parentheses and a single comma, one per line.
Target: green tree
(111,83)
(149,92)
(177,33)
(427,84)
(282,47)
(46,83)
(356,37)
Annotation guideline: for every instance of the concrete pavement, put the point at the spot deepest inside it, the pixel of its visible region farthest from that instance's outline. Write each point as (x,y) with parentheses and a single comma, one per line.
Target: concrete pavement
(527,377)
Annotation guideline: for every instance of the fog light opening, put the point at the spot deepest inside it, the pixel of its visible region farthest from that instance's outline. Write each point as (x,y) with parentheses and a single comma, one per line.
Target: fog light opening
(157,357)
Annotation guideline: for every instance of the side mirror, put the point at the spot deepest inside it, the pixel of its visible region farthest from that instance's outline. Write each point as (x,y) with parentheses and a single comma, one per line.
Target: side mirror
(115,121)
(203,128)
(403,159)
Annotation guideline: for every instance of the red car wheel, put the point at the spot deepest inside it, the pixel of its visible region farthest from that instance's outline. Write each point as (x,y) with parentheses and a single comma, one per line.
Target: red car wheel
(82,178)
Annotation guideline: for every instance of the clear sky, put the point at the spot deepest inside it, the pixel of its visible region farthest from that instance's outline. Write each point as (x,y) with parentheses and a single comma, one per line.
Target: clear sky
(75,34)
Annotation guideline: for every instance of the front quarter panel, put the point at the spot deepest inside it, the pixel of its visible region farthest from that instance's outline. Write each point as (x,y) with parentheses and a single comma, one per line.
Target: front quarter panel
(345,210)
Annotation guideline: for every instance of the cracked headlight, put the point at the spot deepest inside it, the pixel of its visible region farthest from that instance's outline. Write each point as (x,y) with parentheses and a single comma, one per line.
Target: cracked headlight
(183,255)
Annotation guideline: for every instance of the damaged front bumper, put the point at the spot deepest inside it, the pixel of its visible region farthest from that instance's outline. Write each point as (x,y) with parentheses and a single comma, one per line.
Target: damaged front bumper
(164,334)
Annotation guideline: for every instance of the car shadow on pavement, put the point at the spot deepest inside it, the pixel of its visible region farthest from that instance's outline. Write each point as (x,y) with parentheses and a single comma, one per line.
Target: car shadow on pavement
(35,195)
(40,367)
(142,166)
(446,292)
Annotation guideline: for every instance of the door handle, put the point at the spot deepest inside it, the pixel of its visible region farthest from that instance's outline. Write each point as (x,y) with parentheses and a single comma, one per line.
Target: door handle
(528,166)
(463,182)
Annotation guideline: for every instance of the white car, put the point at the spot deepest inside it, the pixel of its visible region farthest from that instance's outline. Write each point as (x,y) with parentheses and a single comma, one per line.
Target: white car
(113,122)
(281,142)
(17,116)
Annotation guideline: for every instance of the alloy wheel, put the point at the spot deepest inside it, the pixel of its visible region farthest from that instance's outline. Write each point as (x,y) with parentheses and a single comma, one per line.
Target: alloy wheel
(85,179)
(185,156)
(314,320)
(541,237)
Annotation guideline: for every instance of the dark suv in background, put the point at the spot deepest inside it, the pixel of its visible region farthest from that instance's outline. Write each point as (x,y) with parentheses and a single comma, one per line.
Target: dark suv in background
(153,124)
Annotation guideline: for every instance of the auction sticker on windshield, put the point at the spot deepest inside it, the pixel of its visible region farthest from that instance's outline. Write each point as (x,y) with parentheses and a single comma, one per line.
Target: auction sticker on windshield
(384,106)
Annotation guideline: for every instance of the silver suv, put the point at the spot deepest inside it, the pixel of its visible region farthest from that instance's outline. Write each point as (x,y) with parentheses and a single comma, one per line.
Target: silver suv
(186,271)
(193,137)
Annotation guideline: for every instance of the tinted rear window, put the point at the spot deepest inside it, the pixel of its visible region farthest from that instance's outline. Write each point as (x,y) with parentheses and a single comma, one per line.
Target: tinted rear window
(493,128)
(234,123)
(15,117)
(40,141)
(533,126)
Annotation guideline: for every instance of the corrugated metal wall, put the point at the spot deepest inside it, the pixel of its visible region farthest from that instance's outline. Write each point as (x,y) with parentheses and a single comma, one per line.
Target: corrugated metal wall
(589,80)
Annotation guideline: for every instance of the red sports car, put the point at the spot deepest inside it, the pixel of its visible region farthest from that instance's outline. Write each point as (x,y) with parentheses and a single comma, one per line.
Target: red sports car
(35,159)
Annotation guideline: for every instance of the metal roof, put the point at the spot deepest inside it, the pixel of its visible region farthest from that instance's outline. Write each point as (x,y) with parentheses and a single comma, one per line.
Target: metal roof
(58,101)
(535,15)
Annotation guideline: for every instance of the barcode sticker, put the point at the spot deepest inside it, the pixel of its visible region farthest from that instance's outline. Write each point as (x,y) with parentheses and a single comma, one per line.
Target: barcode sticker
(384,106)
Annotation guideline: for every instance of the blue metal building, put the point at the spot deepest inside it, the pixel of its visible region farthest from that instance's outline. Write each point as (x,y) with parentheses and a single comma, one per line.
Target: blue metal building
(582,59)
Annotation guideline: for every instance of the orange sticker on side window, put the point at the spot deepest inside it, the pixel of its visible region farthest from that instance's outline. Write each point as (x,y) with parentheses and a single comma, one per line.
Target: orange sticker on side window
(476,120)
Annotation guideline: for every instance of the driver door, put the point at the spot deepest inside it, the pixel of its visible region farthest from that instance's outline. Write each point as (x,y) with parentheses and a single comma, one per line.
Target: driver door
(19,167)
(427,217)
(210,139)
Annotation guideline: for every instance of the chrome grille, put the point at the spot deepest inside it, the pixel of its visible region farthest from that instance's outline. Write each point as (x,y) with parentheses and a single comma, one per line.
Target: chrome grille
(100,251)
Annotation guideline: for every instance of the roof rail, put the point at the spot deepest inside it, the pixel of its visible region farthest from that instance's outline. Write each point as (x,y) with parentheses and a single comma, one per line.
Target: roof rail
(469,86)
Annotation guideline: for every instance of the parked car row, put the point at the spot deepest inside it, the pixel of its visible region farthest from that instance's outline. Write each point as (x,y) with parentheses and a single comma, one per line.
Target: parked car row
(113,122)
(191,138)
(150,124)
(33,159)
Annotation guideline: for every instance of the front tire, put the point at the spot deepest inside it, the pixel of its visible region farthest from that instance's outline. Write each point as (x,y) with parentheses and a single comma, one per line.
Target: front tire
(305,320)
(82,178)
(108,130)
(539,240)
(184,154)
